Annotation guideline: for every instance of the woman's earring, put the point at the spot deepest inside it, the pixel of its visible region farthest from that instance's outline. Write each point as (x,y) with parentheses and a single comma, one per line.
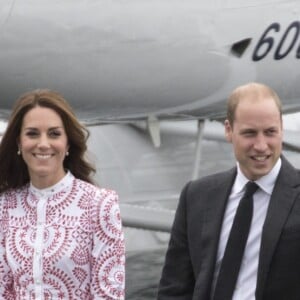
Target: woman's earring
(67,153)
(19,152)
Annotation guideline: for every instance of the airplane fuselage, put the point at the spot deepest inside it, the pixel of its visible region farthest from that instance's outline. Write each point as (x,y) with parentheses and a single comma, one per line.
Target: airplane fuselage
(127,60)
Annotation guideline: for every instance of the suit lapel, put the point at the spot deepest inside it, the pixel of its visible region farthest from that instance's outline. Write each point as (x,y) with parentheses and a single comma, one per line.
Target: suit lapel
(281,202)
(213,209)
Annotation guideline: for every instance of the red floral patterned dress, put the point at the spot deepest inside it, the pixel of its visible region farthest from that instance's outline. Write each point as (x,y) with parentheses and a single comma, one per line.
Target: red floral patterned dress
(63,242)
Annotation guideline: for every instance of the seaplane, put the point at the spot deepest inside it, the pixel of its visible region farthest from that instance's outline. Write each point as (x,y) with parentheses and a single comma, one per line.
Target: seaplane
(140,63)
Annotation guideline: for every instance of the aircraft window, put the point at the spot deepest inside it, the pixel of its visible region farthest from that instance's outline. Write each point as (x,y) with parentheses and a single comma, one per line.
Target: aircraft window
(239,47)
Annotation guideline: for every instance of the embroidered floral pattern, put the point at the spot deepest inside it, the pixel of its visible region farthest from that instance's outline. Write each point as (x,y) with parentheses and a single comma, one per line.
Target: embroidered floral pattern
(65,242)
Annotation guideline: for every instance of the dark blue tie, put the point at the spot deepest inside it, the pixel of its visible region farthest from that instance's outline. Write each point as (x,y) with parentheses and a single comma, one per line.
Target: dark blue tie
(235,247)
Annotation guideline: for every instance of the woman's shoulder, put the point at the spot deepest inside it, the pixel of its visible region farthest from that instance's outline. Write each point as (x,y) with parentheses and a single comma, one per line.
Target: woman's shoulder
(96,191)
(9,198)
(13,192)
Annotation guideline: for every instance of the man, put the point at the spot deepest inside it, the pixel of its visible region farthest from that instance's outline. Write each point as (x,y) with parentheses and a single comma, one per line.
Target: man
(270,267)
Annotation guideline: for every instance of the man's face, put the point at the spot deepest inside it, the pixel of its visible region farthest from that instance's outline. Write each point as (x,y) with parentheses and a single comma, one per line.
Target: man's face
(256,136)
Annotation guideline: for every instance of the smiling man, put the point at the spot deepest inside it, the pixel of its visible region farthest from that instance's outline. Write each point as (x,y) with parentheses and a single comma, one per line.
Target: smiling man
(236,234)
(254,127)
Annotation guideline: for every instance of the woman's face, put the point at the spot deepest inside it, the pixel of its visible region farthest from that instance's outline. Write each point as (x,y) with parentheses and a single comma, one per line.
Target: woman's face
(43,144)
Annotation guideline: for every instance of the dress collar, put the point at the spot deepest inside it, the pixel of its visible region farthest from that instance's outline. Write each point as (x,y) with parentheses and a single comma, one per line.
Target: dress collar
(56,188)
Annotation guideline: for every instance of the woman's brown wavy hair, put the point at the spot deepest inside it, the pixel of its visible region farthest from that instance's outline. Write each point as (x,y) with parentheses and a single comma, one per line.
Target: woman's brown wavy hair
(13,170)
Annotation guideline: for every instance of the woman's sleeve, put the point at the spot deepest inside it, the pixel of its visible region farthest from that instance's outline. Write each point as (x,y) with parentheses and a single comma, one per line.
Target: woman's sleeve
(6,279)
(108,254)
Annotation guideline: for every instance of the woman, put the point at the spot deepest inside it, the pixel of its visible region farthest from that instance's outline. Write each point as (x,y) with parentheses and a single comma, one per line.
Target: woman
(61,236)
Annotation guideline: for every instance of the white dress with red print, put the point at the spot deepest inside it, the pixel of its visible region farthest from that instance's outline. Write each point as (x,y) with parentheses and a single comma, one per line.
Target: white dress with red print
(63,242)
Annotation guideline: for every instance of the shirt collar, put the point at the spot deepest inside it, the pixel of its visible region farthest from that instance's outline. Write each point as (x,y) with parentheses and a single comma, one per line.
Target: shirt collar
(266,183)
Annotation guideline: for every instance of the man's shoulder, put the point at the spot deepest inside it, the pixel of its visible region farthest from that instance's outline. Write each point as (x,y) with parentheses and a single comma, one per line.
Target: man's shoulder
(214,181)
(216,177)
(289,173)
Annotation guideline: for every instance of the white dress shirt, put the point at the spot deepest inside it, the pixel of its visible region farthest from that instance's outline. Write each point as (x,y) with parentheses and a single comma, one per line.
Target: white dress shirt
(246,282)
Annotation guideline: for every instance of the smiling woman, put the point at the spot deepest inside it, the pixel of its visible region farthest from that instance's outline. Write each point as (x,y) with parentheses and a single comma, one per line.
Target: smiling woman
(44,146)
(70,228)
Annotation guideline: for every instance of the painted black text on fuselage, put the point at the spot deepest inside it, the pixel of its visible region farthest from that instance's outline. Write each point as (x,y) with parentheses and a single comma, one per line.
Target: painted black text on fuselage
(279,42)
